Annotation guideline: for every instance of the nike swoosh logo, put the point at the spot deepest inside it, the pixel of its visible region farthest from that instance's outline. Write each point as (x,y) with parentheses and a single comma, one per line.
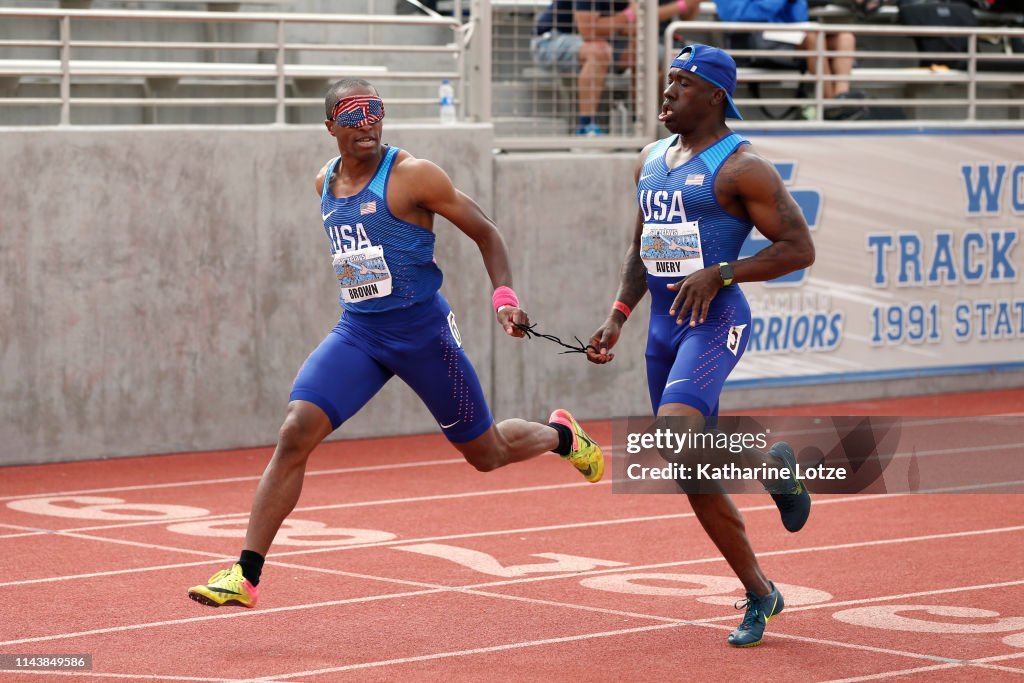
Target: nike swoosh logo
(221,590)
(451,425)
(328,214)
(643,177)
(676,381)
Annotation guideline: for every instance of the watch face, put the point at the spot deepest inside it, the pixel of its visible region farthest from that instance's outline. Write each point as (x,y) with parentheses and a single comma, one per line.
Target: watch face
(726,270)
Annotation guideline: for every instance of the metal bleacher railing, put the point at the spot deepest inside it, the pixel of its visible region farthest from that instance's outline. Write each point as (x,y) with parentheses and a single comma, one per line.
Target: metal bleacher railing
(283,74)
(967,94)
(985,88)
(67,65)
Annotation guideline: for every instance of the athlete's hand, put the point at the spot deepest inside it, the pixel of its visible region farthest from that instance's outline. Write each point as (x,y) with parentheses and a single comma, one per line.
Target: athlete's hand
(602,341)
(695,295)
(509,316)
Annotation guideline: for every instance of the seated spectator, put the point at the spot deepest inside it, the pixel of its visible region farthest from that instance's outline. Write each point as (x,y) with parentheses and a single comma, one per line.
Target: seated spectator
(594,35)
(794,11)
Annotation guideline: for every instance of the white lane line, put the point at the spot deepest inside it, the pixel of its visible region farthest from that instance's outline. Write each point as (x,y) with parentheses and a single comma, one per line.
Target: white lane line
(215,617)
(1001,658)
(26,531)
(149,546)
(968,664)
(231,480)
(457,461)
(1019,672)
(33,529)
(474,651)
(132,677)
(316,508)
(890,674)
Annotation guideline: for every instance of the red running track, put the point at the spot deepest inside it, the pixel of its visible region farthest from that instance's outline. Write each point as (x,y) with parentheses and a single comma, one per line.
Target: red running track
(403,563)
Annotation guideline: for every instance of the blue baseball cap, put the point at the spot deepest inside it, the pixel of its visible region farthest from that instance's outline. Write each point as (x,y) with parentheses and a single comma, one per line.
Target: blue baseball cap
(715,66)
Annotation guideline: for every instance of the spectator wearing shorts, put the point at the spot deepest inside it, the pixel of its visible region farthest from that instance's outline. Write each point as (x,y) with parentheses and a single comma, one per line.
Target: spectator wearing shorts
(796,11)
(591,36)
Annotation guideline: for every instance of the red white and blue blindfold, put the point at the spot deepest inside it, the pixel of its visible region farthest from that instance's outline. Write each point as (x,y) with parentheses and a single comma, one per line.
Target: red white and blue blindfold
(358,111)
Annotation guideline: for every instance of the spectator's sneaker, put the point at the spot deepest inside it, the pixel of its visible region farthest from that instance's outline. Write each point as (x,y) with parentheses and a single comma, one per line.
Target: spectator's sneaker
(853,112)
(760,611)
(591,130)
(790,495)
(586,455)
(226,587)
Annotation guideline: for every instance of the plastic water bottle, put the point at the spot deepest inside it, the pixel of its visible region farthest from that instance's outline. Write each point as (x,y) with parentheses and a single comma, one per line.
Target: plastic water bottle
(446,95)
(620,119)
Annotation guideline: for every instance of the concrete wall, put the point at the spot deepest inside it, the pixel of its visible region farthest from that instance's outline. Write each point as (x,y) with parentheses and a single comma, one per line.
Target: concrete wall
(568,219)
(161,287)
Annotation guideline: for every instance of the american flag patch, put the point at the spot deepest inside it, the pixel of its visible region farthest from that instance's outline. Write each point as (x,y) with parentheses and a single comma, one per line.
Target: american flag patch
(695,179)
(371,207)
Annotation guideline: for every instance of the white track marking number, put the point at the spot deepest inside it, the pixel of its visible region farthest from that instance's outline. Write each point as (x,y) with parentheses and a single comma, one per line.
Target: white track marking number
(297,532)
(707,588)
(488,564)
(104,508)
(1016,640)
(915,618)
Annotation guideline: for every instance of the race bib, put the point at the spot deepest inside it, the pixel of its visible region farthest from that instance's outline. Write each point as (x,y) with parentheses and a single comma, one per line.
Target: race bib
(671,250)
(362,274)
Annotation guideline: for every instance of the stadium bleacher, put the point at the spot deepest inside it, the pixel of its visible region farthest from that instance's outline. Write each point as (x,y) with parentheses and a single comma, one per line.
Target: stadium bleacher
(217,5)
(888,70)
(60,63)
(170,63)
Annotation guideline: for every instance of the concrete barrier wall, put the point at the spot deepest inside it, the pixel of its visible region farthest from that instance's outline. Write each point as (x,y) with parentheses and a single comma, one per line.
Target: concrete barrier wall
(161,287)
(568,219)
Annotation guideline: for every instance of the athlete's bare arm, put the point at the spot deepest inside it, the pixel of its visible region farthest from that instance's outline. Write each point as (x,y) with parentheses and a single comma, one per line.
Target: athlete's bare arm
(432,190)
(321,178)
(752,188)
(749,187)
(632,286)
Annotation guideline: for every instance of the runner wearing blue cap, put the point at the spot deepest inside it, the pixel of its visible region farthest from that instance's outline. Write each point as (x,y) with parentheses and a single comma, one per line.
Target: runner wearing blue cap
(700,192)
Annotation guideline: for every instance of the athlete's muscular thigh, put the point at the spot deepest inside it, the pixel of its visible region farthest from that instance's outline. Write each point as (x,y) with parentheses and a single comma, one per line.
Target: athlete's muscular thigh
(339,377)
(435,366)
(708,353)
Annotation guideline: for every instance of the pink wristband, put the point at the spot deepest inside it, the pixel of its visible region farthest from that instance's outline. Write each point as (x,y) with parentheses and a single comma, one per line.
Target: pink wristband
(622,308)
(504,296)
(683,7)
(630,14)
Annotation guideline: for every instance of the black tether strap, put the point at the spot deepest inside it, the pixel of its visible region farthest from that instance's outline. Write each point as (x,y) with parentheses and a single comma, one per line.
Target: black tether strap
(531,332)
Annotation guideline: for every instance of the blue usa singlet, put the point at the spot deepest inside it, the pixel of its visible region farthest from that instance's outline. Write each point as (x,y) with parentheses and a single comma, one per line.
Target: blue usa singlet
(685,230)
(382,263)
